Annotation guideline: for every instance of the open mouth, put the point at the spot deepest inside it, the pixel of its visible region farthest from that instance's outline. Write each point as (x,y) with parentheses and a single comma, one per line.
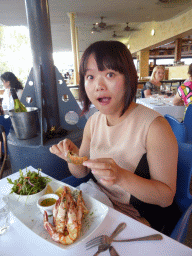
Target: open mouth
(104,100)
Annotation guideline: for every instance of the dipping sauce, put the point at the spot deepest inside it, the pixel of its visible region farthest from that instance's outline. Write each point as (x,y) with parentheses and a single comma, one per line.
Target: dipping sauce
(48,202)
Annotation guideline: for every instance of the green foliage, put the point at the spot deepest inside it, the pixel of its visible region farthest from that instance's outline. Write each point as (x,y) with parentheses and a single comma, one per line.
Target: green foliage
(15,52)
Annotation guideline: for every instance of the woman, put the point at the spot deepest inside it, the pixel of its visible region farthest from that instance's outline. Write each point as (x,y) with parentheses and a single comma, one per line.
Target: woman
(132,150)
(10,81)
(184,92)
(153,85)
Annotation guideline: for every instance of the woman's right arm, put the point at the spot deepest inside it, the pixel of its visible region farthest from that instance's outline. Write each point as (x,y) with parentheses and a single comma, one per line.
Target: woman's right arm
(63,147)
(147,91)
(177,100)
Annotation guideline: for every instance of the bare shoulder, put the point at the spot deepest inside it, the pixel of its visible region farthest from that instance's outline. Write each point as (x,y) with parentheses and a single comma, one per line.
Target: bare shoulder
(160,133)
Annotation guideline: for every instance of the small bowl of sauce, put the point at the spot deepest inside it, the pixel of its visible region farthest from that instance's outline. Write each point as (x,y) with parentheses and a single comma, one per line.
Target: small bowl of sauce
(47,202)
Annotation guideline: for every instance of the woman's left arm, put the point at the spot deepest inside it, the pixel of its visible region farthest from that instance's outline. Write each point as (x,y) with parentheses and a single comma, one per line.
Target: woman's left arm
(162,155)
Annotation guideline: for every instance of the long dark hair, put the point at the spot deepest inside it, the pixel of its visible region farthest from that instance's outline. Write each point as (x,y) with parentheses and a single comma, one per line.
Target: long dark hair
(110,55)
(190,70)
(14,82)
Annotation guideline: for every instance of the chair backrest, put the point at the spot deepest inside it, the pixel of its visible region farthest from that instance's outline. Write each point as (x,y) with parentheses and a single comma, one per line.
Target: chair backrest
(184,173)
(178,128)
(183,198)
(6,122)
(188,123)
(180,231)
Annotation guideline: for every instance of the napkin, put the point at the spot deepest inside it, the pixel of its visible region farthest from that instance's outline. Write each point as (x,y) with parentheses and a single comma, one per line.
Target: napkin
(92,189)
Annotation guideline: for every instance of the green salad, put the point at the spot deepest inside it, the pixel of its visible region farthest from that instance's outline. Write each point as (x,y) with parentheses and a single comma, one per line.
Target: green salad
(29,184)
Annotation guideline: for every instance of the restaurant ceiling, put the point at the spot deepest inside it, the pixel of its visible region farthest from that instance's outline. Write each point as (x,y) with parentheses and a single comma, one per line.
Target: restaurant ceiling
(118,13)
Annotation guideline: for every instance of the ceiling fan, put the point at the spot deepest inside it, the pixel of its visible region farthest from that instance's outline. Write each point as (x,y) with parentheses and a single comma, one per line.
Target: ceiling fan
(127,28)
(114,35)
(166,3)
(95,29)
(102,25)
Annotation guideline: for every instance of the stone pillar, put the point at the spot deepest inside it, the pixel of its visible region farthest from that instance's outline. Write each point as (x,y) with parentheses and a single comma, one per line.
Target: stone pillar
(77,48)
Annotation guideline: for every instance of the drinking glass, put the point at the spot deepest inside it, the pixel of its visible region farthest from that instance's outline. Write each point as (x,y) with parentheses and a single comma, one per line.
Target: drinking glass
(162,89)
(169,93)
(4,214)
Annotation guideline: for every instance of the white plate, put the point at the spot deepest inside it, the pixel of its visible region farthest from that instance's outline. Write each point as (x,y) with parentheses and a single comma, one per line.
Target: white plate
(31,217)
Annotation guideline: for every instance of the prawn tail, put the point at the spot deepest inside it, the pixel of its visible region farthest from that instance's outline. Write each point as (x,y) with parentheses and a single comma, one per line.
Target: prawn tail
(50,229)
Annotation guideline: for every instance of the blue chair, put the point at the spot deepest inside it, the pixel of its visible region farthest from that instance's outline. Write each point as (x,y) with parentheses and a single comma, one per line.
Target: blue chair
(180,231)
(3,139)
(188,123)
(178,128)
(5,125)
(182,131)
(183,197)
(184,174)
(6,122)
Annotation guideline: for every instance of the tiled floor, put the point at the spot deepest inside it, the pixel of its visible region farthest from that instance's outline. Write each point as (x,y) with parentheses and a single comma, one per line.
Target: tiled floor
(188,241)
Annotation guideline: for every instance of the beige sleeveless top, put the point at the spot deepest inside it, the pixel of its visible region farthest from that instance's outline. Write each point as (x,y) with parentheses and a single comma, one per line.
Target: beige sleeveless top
(126,144)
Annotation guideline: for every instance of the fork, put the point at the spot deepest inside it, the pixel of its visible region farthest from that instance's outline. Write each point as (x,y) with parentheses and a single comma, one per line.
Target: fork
(104,246)
(101,240)
(105,240)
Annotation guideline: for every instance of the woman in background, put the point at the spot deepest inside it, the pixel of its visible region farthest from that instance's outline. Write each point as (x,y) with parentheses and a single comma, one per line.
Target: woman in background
(153,85)
(10,81)
(184,92)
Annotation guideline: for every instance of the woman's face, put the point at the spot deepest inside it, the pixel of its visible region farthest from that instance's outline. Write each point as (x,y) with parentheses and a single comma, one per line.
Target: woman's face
(159,74)
(6,84)
(105,89)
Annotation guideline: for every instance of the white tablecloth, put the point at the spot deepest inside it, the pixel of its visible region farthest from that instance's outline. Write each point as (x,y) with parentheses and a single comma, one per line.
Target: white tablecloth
(164,106)
(21,241)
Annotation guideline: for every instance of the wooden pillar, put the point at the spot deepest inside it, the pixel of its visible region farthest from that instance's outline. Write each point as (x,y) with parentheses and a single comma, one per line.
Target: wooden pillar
(143,63)
(74,46)
(178,46)
(1,34)
(77,47)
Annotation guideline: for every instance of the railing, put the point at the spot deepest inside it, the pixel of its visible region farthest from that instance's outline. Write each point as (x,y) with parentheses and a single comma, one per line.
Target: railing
(167,82)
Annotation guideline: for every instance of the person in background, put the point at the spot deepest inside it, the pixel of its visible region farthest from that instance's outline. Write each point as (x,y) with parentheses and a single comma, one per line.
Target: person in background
(184,92)
(10,81)
(132,150)
(153,85)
